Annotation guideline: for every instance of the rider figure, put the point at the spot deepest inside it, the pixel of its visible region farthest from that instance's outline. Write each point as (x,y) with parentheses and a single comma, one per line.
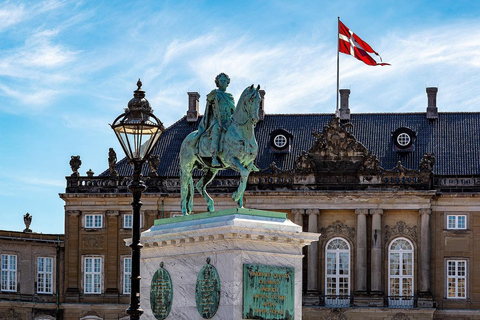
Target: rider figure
(220,107)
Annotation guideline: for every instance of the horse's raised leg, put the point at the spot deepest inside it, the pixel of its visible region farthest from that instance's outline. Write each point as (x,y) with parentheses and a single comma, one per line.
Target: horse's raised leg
(202,187)
(237,196)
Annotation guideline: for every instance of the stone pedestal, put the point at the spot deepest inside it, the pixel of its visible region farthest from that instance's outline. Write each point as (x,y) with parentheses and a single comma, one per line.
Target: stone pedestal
(230,239)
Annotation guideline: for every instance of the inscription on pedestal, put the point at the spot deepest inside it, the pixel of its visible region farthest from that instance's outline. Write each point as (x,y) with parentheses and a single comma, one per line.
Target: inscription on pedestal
(161,293)
(207,291)
(268,292)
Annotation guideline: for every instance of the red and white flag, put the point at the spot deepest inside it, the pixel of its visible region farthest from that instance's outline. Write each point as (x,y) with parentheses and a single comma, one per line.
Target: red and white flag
(350,43)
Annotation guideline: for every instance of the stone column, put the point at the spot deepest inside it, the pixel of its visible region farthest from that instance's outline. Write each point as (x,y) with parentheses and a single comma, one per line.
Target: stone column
(376,258)
(312,268)
(361,265)
(425,251)
(298,216)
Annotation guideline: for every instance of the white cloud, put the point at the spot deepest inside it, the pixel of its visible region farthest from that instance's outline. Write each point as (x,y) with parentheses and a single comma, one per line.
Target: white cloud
(11,14)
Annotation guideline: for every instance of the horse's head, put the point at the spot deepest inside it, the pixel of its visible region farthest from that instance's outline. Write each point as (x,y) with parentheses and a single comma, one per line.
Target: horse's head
(248,106)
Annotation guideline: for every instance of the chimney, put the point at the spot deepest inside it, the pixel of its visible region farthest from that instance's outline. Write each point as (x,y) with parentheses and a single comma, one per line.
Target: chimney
(261,111)
(432,110)
(193,106)
(344,109)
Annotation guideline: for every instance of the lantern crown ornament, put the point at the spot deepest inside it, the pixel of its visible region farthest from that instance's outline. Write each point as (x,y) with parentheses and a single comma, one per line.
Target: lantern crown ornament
(138,129)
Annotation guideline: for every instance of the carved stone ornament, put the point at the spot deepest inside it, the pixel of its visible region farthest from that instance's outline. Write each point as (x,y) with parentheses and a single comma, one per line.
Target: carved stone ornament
(336,141)
(400,316)
(112,161)
(75,164)
(93,242)
(154,162)
(272,168)
(401,229)
(304,164)
(427,162)
(11,314)
(336,314)
(339,229)
(27,219)
(337,150)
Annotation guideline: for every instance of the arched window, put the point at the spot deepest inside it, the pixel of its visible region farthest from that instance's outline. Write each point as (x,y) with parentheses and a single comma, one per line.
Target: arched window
(337,273)
(400,273)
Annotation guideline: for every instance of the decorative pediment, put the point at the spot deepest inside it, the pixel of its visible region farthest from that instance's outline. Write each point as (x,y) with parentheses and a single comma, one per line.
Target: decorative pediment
(335,142)
(337,150)
(400,229)
(337,229)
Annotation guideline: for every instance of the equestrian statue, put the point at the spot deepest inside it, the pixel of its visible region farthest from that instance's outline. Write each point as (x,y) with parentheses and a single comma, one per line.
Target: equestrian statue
(225,139)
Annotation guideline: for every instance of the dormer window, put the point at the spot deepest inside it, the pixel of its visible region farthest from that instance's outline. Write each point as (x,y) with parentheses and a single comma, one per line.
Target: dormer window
(403,140)
(280,141)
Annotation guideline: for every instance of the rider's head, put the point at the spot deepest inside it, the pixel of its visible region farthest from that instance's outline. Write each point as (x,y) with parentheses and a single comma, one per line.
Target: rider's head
(217,78)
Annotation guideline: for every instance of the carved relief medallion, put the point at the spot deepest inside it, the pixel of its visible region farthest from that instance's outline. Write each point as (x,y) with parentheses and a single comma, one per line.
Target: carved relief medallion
(207,291)
(161,293)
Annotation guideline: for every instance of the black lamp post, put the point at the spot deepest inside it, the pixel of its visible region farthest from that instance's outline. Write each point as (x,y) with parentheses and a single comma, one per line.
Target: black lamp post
(138,131)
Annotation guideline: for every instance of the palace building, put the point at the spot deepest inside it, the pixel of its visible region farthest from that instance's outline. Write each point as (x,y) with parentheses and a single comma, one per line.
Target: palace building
(395,196)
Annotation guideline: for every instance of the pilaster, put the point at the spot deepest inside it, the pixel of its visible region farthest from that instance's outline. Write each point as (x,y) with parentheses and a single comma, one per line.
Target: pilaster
(312,269)
(376,252)
(361,254)
(425,251)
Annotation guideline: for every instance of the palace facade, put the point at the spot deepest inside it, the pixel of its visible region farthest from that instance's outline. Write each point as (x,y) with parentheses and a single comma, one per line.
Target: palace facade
(395,197)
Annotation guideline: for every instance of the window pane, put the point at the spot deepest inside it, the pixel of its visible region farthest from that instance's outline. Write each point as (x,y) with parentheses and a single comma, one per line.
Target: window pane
(451,222)
(462,222)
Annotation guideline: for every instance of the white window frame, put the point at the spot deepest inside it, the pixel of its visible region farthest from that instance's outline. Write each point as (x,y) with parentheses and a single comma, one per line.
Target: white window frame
(338,300)
(403,302)
(95,223)
(45,276)
(93,276)
(127,274)
(280,141)
(131,215)
(456,221)
(8,274)
(125,225)
(455,279)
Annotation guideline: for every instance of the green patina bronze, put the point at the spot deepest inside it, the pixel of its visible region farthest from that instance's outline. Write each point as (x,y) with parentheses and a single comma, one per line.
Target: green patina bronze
(207,291)
(225,139)
(222,213)
(268,292)
(161,293)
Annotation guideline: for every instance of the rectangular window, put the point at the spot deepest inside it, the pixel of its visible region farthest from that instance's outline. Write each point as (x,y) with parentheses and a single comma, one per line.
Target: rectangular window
(93,275)
(456,279)
(9,272)
(127,273)
(93,221)
(44,275)
(456,222)
(127,221)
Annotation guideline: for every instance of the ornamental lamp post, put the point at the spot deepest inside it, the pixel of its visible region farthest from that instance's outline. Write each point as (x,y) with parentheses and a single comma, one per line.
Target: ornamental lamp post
(138,130)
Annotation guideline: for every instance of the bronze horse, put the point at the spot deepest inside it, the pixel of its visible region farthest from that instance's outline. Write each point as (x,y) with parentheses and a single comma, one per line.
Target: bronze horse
(238,152)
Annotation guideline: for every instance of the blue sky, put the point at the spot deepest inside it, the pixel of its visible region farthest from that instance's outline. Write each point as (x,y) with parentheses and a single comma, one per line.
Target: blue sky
(68,68)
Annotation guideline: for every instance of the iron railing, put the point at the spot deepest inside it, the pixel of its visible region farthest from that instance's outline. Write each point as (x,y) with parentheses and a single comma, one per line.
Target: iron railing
(400,302)
(336,301)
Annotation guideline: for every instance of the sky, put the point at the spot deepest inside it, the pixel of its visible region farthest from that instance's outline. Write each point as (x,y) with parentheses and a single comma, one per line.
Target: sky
(69,68)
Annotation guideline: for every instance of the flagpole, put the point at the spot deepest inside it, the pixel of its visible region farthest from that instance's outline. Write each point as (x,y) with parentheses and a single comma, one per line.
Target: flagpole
(338,65)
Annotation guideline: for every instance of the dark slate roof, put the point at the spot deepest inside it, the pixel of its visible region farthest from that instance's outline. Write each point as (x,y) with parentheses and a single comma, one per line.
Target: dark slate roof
(453,138)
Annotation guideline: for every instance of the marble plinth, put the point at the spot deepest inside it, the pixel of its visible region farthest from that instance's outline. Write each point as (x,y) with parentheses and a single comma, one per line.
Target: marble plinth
(230,238)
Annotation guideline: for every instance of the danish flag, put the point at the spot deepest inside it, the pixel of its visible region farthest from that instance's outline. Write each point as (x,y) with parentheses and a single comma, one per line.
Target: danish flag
(350,43)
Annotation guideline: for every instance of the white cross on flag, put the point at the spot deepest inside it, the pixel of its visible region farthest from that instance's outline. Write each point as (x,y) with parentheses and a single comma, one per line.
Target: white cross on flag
(350,43)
